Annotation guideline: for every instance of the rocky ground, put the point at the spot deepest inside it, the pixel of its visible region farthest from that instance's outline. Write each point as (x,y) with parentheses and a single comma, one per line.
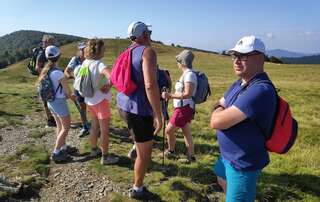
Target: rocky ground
(66,182)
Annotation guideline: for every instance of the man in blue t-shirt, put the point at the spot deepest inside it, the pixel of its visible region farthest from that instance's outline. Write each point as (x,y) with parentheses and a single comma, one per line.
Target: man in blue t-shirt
(239,117)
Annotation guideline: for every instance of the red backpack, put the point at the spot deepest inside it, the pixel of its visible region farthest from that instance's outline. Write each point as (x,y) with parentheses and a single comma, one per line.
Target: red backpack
(121,73)
(285,127)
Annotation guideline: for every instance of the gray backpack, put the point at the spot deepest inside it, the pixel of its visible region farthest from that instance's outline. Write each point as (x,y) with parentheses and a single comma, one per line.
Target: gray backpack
(83,81)
(203,88)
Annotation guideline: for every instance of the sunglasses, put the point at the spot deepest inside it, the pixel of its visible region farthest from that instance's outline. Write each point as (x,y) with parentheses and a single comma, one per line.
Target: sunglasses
(243,57)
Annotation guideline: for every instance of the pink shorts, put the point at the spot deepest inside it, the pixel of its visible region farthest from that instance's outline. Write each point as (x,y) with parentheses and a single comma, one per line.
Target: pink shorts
(181,116)
(100,110)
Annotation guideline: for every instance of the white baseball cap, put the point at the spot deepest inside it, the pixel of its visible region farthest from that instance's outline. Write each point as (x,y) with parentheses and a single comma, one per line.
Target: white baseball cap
(136,29)
(248,44)
(52,52)
(81,45)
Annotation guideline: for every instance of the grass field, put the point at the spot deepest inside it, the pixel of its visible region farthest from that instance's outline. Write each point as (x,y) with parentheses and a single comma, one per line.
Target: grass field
(291,177)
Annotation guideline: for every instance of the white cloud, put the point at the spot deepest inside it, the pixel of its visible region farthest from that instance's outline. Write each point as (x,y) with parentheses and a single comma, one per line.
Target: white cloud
(309,33)
(270,35)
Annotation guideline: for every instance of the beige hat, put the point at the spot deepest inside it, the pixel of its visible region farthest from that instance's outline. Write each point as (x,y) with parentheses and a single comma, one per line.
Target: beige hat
(185,58)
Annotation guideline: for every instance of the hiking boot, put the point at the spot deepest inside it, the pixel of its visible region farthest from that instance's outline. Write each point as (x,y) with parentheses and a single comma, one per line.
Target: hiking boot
(132,154)
(145,194)
(62,156)
(84,132)
(170,154)
(188,160)
(70,150)
(51,123)
(109,160)
(95,152)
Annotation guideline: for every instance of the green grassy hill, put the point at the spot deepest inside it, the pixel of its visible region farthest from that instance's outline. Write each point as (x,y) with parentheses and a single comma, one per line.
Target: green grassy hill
(18,45)
(291,177)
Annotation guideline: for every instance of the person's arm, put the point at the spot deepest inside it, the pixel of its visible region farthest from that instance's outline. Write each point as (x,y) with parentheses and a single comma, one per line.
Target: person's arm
(68,72)
(222,118)
(66,88)
(107,73)
(186,94)
(149,69)
(39,63)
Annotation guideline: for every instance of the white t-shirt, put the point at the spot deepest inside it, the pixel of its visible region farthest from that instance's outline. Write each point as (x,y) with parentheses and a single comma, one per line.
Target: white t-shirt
(56,76)
(188,76)
(98,80)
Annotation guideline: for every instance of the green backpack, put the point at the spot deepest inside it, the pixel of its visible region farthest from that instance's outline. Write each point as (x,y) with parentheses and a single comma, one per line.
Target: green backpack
(33,61)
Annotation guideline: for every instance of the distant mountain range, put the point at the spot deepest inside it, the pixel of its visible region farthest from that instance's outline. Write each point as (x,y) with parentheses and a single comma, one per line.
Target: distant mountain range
(18,45)
(291,57)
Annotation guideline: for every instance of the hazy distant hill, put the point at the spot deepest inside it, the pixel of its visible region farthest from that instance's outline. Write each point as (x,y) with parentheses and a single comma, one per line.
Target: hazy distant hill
(279,53)
(313,59)
(18,45)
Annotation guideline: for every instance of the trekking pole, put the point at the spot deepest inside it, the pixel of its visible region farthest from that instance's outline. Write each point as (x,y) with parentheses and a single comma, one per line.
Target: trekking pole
(164,103)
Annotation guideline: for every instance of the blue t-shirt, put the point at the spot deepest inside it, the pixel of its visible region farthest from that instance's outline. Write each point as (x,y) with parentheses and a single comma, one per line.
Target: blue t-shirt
(243,144)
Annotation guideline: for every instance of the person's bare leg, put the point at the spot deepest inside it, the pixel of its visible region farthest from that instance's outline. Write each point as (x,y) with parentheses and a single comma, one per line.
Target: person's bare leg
(222,183)
(170,130)
(47,111)
(186,130)
(104,135)
(65,126)
(144,151)
(94,130)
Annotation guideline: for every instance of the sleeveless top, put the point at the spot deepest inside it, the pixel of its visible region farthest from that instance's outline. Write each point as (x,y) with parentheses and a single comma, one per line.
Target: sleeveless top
(136,103)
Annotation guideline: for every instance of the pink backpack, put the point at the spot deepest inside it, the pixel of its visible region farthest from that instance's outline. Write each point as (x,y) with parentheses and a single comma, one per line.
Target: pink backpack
(121,73)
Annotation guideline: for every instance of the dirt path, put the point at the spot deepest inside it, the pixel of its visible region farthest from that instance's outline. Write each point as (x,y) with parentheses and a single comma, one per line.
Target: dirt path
(66,182)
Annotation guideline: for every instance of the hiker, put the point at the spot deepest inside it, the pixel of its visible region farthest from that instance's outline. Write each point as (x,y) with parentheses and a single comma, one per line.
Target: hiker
(164,83)
(58,106)
(143,105)
(71,69)
(236,116)
(98,104)
(184,107)
(41,60)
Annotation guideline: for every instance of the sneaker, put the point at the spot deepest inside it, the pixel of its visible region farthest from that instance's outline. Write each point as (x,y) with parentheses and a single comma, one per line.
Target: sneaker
(132,154)
(95,152)
(71,150)
(170,154)
(62,156)
(145,194)
(84,132)
(109,160)
(188,160)
(51,123)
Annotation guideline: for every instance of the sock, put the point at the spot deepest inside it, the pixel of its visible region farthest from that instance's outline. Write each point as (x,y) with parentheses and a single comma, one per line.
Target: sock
(134,146)
(56,151)
(64,147)
(137,189)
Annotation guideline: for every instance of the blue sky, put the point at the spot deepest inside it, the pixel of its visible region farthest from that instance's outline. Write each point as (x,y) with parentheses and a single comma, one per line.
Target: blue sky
(208,24)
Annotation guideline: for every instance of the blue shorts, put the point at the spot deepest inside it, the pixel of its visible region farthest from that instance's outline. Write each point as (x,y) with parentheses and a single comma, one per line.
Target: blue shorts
(79,98)
(241,185)
(59,107)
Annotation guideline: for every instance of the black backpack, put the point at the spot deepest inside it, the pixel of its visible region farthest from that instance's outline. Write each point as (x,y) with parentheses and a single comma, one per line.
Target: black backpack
(33,61)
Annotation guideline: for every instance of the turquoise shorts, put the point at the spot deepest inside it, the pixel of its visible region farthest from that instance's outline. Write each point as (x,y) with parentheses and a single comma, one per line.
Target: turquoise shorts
(59,107)
(241,185)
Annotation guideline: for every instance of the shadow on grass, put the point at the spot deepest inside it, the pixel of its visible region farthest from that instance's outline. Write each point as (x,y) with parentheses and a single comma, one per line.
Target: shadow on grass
(3,113)
(179,186)
(284,187)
